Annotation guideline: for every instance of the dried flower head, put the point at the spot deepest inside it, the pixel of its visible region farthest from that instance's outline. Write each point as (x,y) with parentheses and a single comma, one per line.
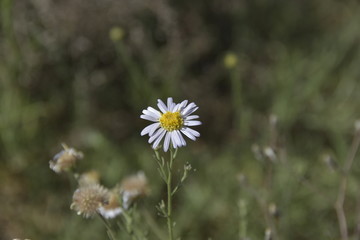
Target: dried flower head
(133,187)
(89,178)
(170,123)
(65,160)
(88,199)
(113,207)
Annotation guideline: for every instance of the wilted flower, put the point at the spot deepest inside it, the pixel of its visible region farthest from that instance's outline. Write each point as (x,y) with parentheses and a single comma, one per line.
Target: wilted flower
(65,160)
(89,178)
(133,187)
(172,120)
(112,208)
(88,199)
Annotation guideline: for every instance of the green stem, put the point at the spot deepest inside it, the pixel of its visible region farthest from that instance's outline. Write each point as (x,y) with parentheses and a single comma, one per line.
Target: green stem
(108,227)
(128,225)
(169,195)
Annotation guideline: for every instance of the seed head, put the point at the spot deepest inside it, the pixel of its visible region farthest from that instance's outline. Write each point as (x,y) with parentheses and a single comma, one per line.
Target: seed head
(112,208)
(89,178)
(133,187)
(88,199)
(65,160)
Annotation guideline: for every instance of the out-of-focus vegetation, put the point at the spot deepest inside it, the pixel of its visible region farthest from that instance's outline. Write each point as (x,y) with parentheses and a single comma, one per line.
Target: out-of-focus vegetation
(81,71)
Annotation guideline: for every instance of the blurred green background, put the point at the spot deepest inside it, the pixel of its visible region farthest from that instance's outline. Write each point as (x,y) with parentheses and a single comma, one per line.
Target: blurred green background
(269,76)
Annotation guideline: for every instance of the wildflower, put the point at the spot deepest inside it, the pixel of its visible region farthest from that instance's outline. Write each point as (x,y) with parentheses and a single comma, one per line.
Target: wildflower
(172,120)
(88,199)
(133,187)
(65,160)
(89,178)
(112,208)
(230,60)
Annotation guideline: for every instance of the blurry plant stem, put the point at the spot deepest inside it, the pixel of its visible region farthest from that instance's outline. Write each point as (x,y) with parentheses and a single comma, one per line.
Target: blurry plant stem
(129,224)
(165,171)
(15,60)
(136,84)
(263,203)
(110,232)
(339,204)
(242,204)
(154,226)
(236,94)
(268,187)
(357,233)
(169,195)
(82,106)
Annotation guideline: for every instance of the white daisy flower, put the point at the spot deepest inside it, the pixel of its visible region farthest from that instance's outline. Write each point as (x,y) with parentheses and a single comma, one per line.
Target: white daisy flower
(171,122)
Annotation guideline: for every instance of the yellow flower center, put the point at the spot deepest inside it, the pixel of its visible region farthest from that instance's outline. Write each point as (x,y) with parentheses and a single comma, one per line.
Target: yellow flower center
(171,121)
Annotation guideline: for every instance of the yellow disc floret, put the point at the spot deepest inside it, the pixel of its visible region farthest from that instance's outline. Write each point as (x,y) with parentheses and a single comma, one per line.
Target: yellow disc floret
(171,121)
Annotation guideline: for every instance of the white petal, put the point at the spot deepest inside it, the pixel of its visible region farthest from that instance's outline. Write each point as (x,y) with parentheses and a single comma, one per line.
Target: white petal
(177,139)
(154,129)
(191,105)
(156,143)
(192,131)
(167,141)
(157,113)
(110,213)
(176,108)
(191,117)
(192,123)
(183,103)
(162,106)
(189,109)
(151,114)
(170,104)
(188,134)
(156,135)
(147,117)
(148,129)
(173,139)
(180,106)
(183,142)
